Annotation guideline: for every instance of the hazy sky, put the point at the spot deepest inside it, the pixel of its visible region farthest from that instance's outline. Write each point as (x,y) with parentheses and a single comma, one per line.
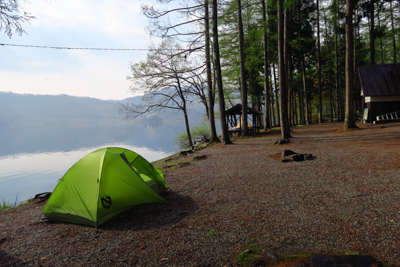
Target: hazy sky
(75,23)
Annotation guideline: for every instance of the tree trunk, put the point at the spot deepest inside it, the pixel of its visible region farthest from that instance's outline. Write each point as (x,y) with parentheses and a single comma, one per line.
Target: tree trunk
(272,109)
(394,37)
(305,93)
(292,95)
(259,108)
(301,105)
(266,68)
(349,115)
(329,78)
(337,78)
(381,42)
(319,69)
(273,120)
(276,97)
(371,32)
(285,129)
(330,97)
(221,100)
(243,82)
(286,60)
(210,94)
(296,122)
(187,126)
(342,87)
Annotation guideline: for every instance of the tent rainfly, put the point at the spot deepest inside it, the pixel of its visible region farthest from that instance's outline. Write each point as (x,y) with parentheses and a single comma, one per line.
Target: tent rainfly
(102,185)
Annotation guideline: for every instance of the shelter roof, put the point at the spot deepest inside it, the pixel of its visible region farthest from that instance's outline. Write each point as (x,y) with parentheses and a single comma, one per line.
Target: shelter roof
(237,110)
(380,80)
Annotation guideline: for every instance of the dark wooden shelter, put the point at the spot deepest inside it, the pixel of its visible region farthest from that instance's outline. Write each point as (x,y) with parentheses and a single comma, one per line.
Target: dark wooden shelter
(234,119)
(380,89)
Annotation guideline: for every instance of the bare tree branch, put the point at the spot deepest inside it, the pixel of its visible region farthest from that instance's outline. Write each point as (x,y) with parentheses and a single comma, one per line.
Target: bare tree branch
(11,17)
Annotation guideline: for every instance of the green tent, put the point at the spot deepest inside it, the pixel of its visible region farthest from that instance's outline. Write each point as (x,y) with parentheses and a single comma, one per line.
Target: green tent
(102,185)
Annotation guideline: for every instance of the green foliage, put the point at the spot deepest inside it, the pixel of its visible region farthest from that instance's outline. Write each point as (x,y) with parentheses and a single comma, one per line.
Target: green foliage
(350,252)
(200,131)
(246,259)
(181,140)
(212,234)
(5,205)
(196,132)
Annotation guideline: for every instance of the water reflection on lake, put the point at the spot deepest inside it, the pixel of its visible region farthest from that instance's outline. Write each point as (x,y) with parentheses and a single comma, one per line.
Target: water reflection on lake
(33,158)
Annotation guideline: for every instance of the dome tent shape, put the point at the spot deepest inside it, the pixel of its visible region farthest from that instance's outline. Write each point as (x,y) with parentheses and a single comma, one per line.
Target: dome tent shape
(102,185)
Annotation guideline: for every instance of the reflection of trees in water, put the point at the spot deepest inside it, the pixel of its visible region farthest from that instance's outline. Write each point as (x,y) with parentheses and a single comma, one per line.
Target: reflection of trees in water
(30,139)
(153,121)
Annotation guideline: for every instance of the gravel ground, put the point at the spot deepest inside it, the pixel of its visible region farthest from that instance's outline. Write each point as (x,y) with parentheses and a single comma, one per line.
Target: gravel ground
(344,201)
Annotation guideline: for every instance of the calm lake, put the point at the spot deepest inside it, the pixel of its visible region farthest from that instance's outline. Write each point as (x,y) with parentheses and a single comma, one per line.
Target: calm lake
(34,157)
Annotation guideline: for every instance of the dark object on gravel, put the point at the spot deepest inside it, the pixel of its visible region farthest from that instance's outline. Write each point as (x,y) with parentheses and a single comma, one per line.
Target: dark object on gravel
(308,156)
(287,152)
(200,157)
(183,164)
(248,251)
(297,157)
(289,155)
(185,152)
(43,196)
(343,261)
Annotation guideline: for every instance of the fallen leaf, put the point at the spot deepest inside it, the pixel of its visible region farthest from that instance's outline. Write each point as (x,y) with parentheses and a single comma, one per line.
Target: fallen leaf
(43,258)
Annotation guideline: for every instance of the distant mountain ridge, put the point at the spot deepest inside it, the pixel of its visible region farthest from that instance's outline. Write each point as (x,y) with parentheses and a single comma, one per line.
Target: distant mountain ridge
(50,109)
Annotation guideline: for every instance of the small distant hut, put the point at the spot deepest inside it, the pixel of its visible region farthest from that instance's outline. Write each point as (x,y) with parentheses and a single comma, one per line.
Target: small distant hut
(380,90)
(234,119)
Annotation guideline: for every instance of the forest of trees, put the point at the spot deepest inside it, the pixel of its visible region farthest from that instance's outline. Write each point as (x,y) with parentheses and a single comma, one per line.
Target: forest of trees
(295,60)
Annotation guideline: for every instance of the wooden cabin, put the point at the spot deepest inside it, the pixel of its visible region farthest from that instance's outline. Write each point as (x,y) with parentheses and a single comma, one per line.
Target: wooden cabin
(380,90)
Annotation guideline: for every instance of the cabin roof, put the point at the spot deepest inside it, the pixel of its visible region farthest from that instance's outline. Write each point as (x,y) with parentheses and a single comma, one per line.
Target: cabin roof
(237,109)
(380,80)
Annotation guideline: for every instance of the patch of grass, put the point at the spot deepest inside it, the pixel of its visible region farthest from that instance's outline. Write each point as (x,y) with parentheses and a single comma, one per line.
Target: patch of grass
(196,132)
(200,146)
(246,259)
(5,205)
(348,252)
(212,233)
(275,128)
